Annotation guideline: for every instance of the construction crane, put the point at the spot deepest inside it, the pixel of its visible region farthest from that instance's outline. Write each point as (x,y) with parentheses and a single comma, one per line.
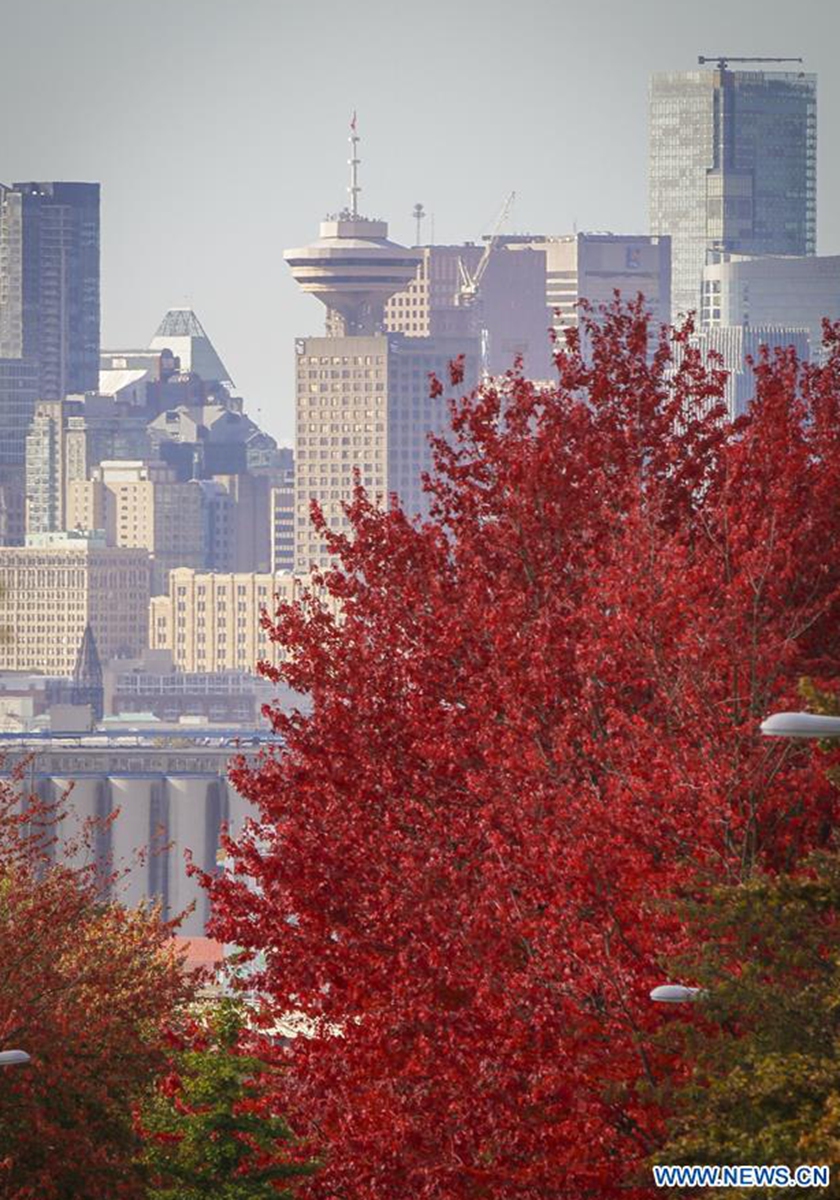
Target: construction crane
(471,281)
(723,60)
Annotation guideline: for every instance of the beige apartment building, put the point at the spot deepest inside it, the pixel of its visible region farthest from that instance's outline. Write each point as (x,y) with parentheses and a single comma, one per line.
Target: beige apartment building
(142,505)
(54,586)
(211,620)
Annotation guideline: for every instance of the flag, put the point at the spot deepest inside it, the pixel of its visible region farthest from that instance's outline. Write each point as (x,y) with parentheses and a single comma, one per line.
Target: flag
(353,122)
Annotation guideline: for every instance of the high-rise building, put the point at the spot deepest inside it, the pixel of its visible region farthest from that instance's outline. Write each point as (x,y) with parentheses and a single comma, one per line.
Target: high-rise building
(508,313)
(773,291)
(364,405)
(237,522)
(732,167)
(363,402)
(18,393)
(736,347)
(141,504)
(45,468)
(58,584)
(67,439)
(49,317)
(49,283)
(594,266)
(282,503)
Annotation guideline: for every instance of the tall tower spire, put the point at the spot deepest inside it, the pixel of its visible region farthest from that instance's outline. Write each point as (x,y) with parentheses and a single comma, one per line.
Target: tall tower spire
(353,163)
(353,268)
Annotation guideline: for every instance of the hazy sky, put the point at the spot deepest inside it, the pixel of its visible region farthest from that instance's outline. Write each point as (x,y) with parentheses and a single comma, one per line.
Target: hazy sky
(218,132)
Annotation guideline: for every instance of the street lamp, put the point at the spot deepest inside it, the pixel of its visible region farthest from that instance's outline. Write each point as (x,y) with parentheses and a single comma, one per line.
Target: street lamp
(800,725)
(781,724)
(13,1058)
(675,993)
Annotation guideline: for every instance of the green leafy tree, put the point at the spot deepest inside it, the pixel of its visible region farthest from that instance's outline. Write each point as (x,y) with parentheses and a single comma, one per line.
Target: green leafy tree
(758,1057)
(212,1133)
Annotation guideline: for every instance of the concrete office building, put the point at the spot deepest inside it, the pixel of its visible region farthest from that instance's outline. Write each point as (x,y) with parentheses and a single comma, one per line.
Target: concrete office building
(58,584)
(593,266)
(237,522)
(508,313)
(362,394)
(141,504)
(282,508)
(229,697)
(210,621)
(363,404)
(45,468)
(732,167)
(795,292)
(732,345)
(67,439)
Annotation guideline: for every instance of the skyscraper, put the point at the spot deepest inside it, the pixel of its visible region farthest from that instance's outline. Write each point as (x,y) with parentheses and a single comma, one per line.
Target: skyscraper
(782,290)
(593,266)
(49,283)
(49,316)
(509,313)
(732,167)
(363,398)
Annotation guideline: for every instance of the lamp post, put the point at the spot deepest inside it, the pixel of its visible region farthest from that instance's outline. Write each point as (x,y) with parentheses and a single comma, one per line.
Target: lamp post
(800,725)
(675,993)
(13,1058)
(781,724)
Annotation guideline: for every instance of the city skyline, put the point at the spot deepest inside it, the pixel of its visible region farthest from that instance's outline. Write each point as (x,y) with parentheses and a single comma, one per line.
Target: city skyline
(199,153)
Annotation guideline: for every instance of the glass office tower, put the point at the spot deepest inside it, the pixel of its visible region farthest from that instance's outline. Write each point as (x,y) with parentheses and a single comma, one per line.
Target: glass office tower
(732,168)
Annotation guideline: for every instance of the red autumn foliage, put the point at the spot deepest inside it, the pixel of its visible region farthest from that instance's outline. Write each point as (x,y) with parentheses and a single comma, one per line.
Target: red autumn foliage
(85,988)
(536,719)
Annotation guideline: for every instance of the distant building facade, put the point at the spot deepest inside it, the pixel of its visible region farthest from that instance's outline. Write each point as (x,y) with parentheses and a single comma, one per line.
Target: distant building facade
(237,522)
(593,266)
(58,584)
(795,292)
(732,168)
(49,283)
(210,621)
(141,504)
(66,441)
(231,697)
(282,502)
(18,393)
(733,345)
(49,317)
(362,394)
(363,404)
(508,313)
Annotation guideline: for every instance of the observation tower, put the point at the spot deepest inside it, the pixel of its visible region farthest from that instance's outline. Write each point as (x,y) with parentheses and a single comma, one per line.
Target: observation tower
(353,268)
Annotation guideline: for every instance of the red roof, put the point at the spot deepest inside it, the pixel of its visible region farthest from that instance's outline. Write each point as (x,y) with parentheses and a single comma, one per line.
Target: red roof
(200,951)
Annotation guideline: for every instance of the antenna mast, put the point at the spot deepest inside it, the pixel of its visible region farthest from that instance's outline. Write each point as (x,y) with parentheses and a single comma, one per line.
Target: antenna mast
(353,163)
(419,213)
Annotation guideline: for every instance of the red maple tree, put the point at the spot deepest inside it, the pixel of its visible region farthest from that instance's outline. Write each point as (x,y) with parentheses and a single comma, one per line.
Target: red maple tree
(86,988)
(535,719)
